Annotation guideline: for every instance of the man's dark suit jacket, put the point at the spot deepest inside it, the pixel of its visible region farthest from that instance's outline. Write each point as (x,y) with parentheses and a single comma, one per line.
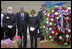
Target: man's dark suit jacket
(22,23)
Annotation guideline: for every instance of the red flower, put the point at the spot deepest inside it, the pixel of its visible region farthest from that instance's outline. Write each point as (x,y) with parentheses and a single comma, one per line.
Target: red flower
(68,40)
(55,31)
(52,27)
(69,27)
(54,15)
(46,26)
(69,15)
(67,33)
(70,33)
(64,8)
(59,42)
(49,17)
(56,9)
(60,31)
(50,33)
(56,26)
(54,20)
(17,37)
(69,10)
(69,19)
(51,13)
(65,20)
(58,38)
(53,35)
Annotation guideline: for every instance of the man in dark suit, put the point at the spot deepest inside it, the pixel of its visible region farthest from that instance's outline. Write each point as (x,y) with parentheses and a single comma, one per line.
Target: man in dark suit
(40,16)
(10,22)
(22,18)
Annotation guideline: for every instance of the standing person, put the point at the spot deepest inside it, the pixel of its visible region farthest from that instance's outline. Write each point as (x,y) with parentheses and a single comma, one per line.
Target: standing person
(2,27)
(33,27)
(10,22)
(40,16)
(22,18)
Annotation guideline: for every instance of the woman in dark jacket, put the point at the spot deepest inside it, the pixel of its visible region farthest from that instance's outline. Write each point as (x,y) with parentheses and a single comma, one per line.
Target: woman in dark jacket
(33,28)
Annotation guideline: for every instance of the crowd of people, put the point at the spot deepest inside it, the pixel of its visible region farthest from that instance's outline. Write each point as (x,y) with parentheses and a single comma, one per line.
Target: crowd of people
(22,20)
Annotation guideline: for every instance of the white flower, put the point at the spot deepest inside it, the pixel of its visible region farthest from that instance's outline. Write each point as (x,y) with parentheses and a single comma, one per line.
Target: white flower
(57,18)
(52,32)
(52,40)
(48,14)
(43,26)
(67,18)
(51,19)
(47,18)
(50,23)
(50,36)
(44,13)
(67,36)
(52,10)
(47,22)
(69,30)
(56,13)
(60,37)
(60,15)
(56,33)
(50,28)
(65,43)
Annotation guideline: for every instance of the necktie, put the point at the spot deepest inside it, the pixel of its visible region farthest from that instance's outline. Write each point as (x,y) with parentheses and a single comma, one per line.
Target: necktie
(22,16)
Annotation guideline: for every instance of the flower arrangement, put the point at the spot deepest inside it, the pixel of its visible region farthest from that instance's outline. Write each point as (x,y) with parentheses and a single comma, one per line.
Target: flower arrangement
(57,25)
(18,39)
(7,43)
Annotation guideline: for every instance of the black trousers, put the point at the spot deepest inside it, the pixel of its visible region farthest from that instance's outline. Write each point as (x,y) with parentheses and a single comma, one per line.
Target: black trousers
(33,36)
(10,33)
(2,33)
(41,36)
(24,32)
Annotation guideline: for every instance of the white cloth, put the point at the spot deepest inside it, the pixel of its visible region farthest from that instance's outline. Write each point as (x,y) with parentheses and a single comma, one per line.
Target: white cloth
(38,31)
(32,28)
